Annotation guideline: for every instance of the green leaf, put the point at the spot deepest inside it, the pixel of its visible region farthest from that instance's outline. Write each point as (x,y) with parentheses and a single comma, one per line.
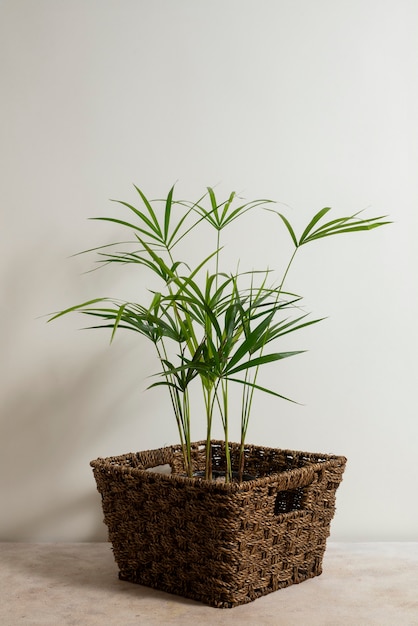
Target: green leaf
(246,383)
(118,319)
(262,360)
(251,340)
(347,229)
(289,228)
(129,225)
(151,211)
(312,223)
(77,307)
(166,383)
(227,205)
(213,216)
(289,327)
(167,212)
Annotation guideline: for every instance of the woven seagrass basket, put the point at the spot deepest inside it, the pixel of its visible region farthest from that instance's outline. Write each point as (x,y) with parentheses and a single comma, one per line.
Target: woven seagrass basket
(222,544)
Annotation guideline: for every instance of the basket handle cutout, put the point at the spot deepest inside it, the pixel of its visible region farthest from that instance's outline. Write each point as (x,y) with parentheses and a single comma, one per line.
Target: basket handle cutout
(289,501)
(296,499)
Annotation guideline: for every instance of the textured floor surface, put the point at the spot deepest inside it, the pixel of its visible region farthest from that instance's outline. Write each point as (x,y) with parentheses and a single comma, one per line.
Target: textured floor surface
(368,584)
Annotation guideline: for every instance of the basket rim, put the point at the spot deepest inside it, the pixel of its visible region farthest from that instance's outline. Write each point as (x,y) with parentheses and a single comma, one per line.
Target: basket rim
(300,476)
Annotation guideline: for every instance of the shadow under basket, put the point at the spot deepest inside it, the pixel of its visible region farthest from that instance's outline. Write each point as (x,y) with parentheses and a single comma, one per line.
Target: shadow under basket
(224,544)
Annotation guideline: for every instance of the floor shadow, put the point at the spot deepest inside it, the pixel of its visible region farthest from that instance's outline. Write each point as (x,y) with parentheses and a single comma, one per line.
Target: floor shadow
(78,565)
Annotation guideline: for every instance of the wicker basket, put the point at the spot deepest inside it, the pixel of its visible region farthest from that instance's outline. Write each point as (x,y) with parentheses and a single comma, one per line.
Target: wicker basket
(221,544)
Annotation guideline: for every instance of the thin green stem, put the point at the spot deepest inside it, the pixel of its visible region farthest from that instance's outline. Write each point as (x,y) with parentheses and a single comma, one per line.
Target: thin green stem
(248,394)
(224,412)
(280,289)
(184,432)
(208,398)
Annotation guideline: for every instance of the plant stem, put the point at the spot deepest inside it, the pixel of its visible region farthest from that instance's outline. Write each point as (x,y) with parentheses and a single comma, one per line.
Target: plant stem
(279,291)
(208,451)
(225,420)
(247,397)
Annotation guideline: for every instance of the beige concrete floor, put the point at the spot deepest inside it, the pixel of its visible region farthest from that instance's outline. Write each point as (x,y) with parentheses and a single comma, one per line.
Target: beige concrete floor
(369,584)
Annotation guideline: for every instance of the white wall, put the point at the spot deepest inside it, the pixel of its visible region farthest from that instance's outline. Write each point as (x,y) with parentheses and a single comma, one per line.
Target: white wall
(310,103)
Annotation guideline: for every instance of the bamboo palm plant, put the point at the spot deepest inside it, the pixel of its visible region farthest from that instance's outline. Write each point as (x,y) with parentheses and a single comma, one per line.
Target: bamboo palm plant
(209,325)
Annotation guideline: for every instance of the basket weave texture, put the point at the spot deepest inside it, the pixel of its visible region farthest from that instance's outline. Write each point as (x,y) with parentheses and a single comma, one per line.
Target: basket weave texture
(224,544)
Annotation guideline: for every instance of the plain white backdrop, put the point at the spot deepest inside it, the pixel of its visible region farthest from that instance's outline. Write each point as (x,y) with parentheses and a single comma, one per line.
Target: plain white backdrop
(311,104)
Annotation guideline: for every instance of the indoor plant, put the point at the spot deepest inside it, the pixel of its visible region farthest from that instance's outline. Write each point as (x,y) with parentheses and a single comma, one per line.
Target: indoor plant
(265,524)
